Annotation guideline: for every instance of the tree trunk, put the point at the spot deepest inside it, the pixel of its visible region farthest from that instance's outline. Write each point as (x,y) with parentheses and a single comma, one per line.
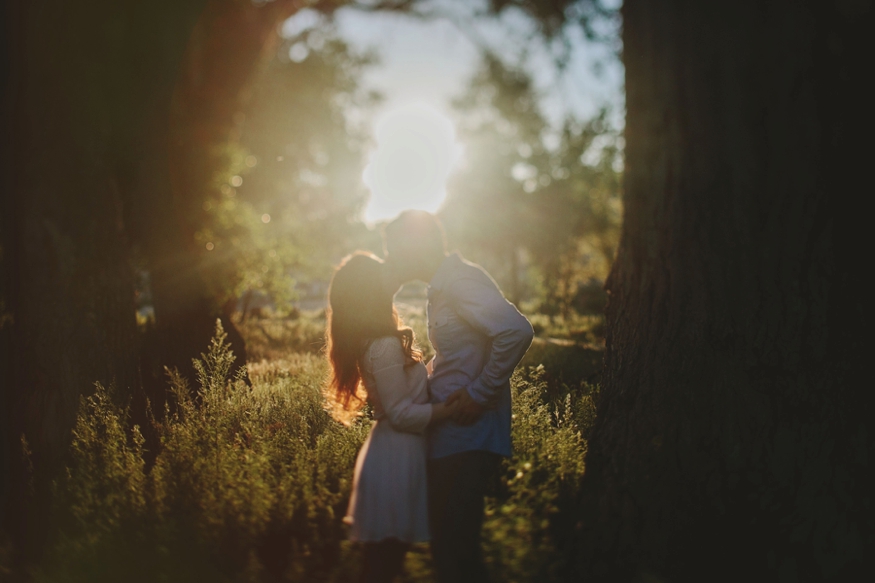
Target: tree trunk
(229,44)
(733,434)
(82,80)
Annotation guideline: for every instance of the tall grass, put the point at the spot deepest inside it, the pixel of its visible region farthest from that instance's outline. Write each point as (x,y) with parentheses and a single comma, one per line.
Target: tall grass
(531,523)
(251,483)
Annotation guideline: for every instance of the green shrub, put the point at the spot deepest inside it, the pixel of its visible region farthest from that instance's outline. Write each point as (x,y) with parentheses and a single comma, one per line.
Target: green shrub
(248,483)
(532,521)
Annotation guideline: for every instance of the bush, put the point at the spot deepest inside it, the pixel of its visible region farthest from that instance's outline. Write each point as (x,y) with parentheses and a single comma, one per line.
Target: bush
(251,484)
(248,483)
(531,523)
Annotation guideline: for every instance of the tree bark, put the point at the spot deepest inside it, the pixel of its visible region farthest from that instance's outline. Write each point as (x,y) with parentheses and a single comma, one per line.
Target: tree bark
(733,432)
(81,81)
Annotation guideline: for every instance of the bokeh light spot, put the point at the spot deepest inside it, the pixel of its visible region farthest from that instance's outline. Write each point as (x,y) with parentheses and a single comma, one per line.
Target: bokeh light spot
(298,52)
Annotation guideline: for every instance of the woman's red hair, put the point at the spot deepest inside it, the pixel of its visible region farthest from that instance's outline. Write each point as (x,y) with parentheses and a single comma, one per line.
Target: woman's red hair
(360,310)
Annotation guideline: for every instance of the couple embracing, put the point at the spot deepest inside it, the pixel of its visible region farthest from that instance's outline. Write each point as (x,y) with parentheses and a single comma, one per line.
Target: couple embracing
(440,430)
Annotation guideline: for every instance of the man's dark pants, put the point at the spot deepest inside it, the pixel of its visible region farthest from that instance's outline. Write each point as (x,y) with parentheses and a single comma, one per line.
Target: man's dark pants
(457,485)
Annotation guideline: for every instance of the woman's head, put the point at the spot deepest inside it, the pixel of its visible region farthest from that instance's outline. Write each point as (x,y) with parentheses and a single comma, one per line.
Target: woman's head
(357,301)
(359,310)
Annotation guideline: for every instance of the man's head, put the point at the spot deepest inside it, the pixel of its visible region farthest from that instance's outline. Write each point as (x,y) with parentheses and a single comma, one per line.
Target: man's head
(415,245)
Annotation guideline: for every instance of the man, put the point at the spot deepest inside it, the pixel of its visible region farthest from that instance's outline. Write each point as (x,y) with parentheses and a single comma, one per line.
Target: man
(479,337)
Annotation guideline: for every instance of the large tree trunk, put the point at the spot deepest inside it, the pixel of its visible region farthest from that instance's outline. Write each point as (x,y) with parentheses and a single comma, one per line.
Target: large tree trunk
(735,425)
(227,48)
(83,81)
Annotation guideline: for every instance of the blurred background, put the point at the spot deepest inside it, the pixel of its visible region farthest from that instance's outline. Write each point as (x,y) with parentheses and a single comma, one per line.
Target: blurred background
(512,137)
(505,119)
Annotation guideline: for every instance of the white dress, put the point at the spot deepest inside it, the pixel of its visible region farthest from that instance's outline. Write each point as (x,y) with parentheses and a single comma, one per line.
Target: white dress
(389,485)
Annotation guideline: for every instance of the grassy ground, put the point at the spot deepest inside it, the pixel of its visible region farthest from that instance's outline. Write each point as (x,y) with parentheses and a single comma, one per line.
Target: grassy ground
(251,483)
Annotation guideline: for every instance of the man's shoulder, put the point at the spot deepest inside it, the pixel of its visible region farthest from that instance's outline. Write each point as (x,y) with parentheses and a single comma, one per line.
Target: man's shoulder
(468,270)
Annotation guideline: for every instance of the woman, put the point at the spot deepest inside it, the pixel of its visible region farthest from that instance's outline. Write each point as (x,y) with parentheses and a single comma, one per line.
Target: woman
(367,346)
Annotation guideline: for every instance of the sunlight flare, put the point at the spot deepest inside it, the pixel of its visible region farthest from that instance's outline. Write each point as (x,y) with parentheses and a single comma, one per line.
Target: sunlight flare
(416,151)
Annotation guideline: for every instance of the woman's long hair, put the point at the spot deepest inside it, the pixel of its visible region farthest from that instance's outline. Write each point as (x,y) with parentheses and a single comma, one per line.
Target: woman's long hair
(360,310)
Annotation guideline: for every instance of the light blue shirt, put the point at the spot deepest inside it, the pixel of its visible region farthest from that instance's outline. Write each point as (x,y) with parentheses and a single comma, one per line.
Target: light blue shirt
(478,337)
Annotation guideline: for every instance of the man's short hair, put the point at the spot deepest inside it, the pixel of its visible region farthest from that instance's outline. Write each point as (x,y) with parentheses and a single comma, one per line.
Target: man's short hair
(418,231)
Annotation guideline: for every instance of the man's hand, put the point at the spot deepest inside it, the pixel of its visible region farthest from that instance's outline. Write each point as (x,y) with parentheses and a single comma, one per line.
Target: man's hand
(467,409)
